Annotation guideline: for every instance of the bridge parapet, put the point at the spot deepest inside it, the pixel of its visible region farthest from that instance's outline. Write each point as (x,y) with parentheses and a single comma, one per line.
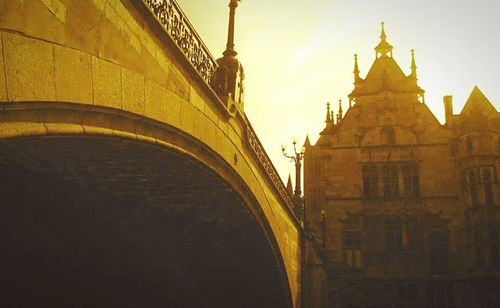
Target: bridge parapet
(109,67)
(175,23)
(177,26)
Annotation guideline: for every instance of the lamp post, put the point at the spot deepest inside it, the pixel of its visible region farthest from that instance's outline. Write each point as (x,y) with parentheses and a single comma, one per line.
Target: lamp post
(297,158)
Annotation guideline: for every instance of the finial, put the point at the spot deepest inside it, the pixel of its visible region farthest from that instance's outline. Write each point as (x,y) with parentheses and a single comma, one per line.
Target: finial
(356,68)
(413,64)
(339,114)
(383,49)
(328,119)
(383,36)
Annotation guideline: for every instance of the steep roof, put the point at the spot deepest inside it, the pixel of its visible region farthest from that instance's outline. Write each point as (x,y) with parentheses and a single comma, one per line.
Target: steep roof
(478,103)
(385,74)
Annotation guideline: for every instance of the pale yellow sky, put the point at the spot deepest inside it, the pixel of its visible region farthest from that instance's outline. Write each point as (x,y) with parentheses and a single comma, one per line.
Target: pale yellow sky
(298,55)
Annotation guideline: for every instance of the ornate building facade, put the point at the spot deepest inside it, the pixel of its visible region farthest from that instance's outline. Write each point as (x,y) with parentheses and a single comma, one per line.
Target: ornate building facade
(412,206)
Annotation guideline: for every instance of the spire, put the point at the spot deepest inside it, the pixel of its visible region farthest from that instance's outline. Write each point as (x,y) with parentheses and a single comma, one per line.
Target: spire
(413,64)
(383,36)
(356,68)
(328,118)
(332,117)
(289,187)
(339,115)
(307,143)
(383,49)
(233,4)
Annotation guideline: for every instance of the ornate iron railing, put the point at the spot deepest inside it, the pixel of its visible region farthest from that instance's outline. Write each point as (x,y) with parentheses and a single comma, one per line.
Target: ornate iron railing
(173,20)
(267,165)
(177,26)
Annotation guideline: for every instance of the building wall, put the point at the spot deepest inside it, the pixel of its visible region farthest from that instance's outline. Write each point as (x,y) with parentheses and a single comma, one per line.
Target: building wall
(425,238)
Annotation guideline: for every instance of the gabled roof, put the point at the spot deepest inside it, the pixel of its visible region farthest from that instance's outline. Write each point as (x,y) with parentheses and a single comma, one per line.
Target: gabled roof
(386,65)
(478,103)
(385,74)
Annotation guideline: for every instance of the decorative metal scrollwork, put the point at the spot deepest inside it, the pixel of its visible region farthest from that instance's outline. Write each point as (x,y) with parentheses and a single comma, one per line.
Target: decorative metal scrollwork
(180,30)
(268,166)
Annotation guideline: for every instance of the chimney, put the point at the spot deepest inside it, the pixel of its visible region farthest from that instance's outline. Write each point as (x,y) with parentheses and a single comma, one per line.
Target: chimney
(448,108)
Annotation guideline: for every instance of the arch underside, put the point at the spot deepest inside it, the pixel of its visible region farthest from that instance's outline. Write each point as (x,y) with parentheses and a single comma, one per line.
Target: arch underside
(107,221)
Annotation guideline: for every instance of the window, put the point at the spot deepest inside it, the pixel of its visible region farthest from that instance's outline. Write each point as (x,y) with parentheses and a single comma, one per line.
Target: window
(391,182)
(468,144)
(438,251)
(493,235)
(488,186)
(473,180)
(394,236)
(352,247)
(411,181)
(412,292)
(370,182)
(415,236)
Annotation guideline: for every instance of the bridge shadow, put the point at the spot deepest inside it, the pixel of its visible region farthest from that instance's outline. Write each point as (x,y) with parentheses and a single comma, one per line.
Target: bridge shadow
(88,221)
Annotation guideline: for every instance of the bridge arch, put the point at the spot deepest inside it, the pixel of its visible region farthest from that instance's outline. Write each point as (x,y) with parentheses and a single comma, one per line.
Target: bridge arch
(116,199)
(108,68)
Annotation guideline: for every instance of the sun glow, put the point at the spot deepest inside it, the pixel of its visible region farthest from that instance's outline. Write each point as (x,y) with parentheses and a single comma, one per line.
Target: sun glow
(298,55)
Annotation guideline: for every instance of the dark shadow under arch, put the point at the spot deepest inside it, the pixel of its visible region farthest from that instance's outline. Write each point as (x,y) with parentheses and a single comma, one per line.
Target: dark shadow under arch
(95,221)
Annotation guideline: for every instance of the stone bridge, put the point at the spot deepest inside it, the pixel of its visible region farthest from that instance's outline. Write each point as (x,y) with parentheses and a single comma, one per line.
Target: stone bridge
(126,181)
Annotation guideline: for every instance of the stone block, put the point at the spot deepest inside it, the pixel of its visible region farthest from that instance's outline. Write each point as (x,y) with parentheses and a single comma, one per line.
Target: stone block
(117,42)
(156,97)
(106,83)
(173,109)
(211,113)
(199,120)
(73,71)
(46,20)
(12,15)
(58,128)
(196,99)
(29,67)
(82,25)
(187,117)
(20,129)
(177,83)
(133,92)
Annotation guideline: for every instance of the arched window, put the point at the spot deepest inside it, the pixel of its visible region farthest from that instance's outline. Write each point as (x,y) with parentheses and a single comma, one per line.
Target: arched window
(488,186)
(389,136)
(469,145)
(473,182)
